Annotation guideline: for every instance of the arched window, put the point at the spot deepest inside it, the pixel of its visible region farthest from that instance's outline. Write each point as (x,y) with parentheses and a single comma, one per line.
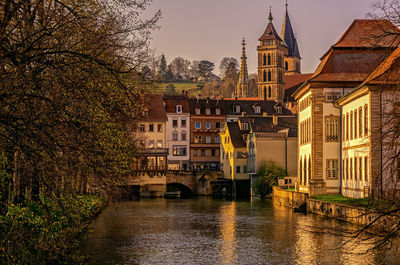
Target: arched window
(265,93)
(269,76)
(305,170)
(301,171)
(269,92)
(309,169)
(269,59)
(264,76)
(264,59)
(286,66)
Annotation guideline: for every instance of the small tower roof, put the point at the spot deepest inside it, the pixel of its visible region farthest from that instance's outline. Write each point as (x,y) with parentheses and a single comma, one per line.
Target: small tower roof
(243,82)
(288,35)
(270,32)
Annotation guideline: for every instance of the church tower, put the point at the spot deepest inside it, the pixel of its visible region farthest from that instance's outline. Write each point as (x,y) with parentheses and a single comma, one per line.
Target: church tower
(293,59)
(271,55)
(243,85)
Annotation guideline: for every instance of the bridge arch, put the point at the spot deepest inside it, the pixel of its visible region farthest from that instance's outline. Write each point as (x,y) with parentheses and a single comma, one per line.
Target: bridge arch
(185,190)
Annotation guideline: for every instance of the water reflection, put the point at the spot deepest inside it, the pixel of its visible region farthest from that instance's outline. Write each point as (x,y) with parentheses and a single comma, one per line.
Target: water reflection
(228,233)
(206,231)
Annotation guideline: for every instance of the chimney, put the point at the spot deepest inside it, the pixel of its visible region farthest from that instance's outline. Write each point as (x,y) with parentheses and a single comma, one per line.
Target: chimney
(275,120)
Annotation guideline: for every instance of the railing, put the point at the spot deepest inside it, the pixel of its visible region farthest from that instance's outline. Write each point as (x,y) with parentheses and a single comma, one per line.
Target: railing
(149,168)
(154,151)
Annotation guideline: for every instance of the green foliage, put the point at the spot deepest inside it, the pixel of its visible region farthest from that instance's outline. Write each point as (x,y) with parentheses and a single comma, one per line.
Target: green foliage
(268,175)
(205,68)
(46,232)
(5,178)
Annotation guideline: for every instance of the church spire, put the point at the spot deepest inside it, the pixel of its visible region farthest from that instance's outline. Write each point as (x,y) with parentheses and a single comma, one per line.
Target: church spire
(288,35)
(270,32)
(243,85)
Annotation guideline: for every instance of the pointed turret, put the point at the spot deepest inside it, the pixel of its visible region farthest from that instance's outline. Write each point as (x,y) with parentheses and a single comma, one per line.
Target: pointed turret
(243,85)
(270,32)
(288,36)
(292,60)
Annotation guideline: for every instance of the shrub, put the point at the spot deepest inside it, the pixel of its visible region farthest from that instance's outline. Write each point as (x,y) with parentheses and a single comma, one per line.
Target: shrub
(268,175)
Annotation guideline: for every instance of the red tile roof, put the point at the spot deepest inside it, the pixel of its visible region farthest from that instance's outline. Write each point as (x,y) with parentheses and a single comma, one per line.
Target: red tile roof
(154,106)
(294,80)
(172,101)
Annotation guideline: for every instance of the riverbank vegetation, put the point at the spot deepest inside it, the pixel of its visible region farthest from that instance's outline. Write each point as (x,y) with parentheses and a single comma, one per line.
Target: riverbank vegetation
(268,175)
(71,93)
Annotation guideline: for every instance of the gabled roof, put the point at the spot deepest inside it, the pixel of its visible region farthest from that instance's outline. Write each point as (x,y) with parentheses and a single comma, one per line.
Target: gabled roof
(247,106)
(203,104)
(154,106)
(266,125)
(292,83)
(288,36)
(172,101)
(236,134)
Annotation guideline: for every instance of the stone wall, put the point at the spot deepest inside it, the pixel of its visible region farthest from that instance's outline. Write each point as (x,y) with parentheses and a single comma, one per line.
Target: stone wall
(288,198)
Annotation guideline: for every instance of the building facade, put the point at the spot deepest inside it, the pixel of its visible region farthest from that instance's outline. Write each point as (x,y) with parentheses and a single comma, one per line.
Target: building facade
(207,118)
(178,132)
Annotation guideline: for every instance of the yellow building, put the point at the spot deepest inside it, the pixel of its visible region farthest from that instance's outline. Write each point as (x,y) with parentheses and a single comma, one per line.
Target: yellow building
(233,151)
(370,164)
(151,164)
(345,66)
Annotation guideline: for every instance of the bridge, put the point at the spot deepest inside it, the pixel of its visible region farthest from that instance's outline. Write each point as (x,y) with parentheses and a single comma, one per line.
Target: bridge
(191,182)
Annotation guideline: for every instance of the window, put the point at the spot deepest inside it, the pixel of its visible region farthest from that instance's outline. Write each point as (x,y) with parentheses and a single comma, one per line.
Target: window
(351,125)
(355,125)
(257,109)
(159,144)
(142,143)
(178,108)
(238,169)
(208,111)
(360,122)
(269,59)
(151,144)
(278,109)
(269,76)
(217,125)
(355,168)
(264,59)
(178,150)
(175,123)
(183,136)
(347,168)
(208,139)
(344,128)
(218,111)
(198,139)
(264,76)
(213,152)
(343,168)
(183,122)
(203,152)
(331,168)
(347,126)
(159,128)
(244,169)
(151,127)
(197,125)
(360,168)
(351,168)
(331,96)
(195,152)
(301,171)
(216,139)
(331,129)
(286,66)
(241,155)
(197,111)
(366,122)
(245,126)
(236,109)
(208,125)
(142,127)
(265,93)
(174,136)
(366,166)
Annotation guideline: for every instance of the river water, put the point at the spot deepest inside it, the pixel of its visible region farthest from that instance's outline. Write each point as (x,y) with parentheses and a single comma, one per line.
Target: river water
(207,231)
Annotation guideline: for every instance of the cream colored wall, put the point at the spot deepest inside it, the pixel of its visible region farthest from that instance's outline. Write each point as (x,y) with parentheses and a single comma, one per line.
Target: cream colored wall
(331,150)
(274,149)
(305,149)
(155,136)
(356,148)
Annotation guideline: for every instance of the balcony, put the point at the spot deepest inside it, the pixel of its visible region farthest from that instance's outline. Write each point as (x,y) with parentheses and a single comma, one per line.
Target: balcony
(154,151)
(149,168)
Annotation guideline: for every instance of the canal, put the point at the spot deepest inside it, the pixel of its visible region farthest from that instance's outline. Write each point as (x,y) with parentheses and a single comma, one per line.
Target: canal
(207,231)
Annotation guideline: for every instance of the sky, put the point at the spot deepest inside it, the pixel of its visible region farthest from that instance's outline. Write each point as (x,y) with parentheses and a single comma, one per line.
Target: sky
(213,29)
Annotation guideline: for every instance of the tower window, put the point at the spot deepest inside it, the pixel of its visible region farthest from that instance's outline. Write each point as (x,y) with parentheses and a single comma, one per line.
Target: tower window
(269,76)
(269,59)
(264,60)
(264,76)
(286,66)
(269,92)
(265,93)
